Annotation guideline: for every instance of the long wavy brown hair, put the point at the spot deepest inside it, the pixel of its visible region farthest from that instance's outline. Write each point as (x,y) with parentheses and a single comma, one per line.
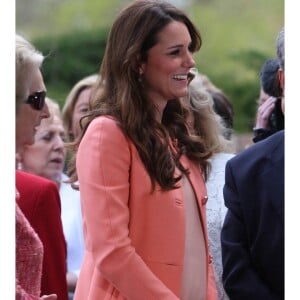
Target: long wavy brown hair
(119,93)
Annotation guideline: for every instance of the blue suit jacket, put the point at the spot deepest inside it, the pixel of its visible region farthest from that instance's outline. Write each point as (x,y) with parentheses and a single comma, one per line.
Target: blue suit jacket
(252,236)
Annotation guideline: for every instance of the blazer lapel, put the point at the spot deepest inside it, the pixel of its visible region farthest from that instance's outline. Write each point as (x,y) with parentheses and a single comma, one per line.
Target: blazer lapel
(275,176)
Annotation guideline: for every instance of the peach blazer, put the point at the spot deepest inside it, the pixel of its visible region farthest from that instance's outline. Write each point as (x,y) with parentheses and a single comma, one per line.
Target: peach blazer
(134,239)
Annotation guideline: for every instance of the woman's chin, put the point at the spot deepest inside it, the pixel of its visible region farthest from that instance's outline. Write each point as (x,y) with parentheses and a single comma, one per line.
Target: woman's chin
(182,93)
(54,176)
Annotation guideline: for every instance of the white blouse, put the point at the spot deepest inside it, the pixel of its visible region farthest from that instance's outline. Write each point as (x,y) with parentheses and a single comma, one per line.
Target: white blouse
(215,214)
(72,225)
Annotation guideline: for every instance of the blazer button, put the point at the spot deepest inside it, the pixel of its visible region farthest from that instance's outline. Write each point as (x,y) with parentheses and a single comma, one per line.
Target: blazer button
(204,200)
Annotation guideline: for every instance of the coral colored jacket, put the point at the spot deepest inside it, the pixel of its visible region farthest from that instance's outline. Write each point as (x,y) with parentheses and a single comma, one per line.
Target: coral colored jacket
(134,239)
(40,203)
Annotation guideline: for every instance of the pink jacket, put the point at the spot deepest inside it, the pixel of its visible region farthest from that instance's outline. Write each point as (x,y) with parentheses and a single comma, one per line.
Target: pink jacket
(29,259)
(134,238)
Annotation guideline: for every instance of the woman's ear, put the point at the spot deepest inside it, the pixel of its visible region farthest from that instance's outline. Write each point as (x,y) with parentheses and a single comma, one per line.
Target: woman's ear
(142,68)
(140,65)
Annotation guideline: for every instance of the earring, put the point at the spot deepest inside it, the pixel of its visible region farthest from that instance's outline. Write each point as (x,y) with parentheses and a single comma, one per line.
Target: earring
(19,165)
(140,79)
(18,161)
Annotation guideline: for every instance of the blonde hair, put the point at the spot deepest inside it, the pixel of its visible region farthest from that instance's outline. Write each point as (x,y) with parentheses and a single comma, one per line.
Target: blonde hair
(27,59)
(207,123)
(68,108)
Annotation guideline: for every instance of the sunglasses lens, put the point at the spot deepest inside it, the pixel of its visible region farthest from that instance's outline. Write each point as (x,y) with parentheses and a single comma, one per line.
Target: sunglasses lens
(37,100)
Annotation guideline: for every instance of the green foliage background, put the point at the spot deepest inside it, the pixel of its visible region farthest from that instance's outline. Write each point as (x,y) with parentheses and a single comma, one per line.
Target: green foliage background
(238,36)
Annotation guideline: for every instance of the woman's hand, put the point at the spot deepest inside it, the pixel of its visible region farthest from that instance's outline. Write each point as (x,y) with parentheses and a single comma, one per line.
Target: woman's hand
(49,297)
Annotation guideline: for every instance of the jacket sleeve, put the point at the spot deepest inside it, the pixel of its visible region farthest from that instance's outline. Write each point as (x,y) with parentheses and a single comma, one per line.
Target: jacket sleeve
(240,278)
(21,294)
(103,164)
(49,228)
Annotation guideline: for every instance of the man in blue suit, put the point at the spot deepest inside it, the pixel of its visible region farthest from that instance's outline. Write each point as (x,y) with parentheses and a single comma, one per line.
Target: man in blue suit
(252,236)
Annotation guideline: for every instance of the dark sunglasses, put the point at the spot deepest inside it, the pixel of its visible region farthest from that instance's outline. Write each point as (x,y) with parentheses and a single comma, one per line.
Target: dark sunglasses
(37,100)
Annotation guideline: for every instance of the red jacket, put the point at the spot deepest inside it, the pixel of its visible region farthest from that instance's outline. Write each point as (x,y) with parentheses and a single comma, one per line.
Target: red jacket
(39,201)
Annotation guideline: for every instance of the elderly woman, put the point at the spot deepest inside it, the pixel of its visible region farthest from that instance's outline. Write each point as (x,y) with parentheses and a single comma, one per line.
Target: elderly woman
(40,243)
(45,157)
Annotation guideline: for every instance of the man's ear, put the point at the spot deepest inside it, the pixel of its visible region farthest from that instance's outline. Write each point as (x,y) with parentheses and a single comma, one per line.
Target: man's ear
(281,78)
(281,82)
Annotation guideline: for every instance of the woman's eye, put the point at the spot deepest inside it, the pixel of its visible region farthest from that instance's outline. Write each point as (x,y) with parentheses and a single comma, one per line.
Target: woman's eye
(83,110)
(63,138)
(175,52)
(47,137)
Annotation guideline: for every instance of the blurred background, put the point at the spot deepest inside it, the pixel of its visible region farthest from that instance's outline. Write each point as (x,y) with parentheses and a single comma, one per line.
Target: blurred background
(238,36)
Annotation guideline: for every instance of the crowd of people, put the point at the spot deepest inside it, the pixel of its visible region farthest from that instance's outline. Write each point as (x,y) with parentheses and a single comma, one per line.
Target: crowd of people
(134,188)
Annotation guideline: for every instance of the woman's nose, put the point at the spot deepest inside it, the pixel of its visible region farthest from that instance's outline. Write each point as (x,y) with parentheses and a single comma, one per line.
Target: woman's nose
(59,143)
(45,112)
(189,61)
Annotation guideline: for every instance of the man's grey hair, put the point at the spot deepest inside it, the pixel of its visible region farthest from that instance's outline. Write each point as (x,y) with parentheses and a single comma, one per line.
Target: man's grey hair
(280,47)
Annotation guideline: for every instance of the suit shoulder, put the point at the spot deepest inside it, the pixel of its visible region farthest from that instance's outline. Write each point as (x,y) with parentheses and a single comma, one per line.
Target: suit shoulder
(259,158)
(262,149)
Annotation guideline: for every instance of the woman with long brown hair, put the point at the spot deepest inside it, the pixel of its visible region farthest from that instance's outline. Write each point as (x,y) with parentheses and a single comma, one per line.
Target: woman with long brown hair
(142,192)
